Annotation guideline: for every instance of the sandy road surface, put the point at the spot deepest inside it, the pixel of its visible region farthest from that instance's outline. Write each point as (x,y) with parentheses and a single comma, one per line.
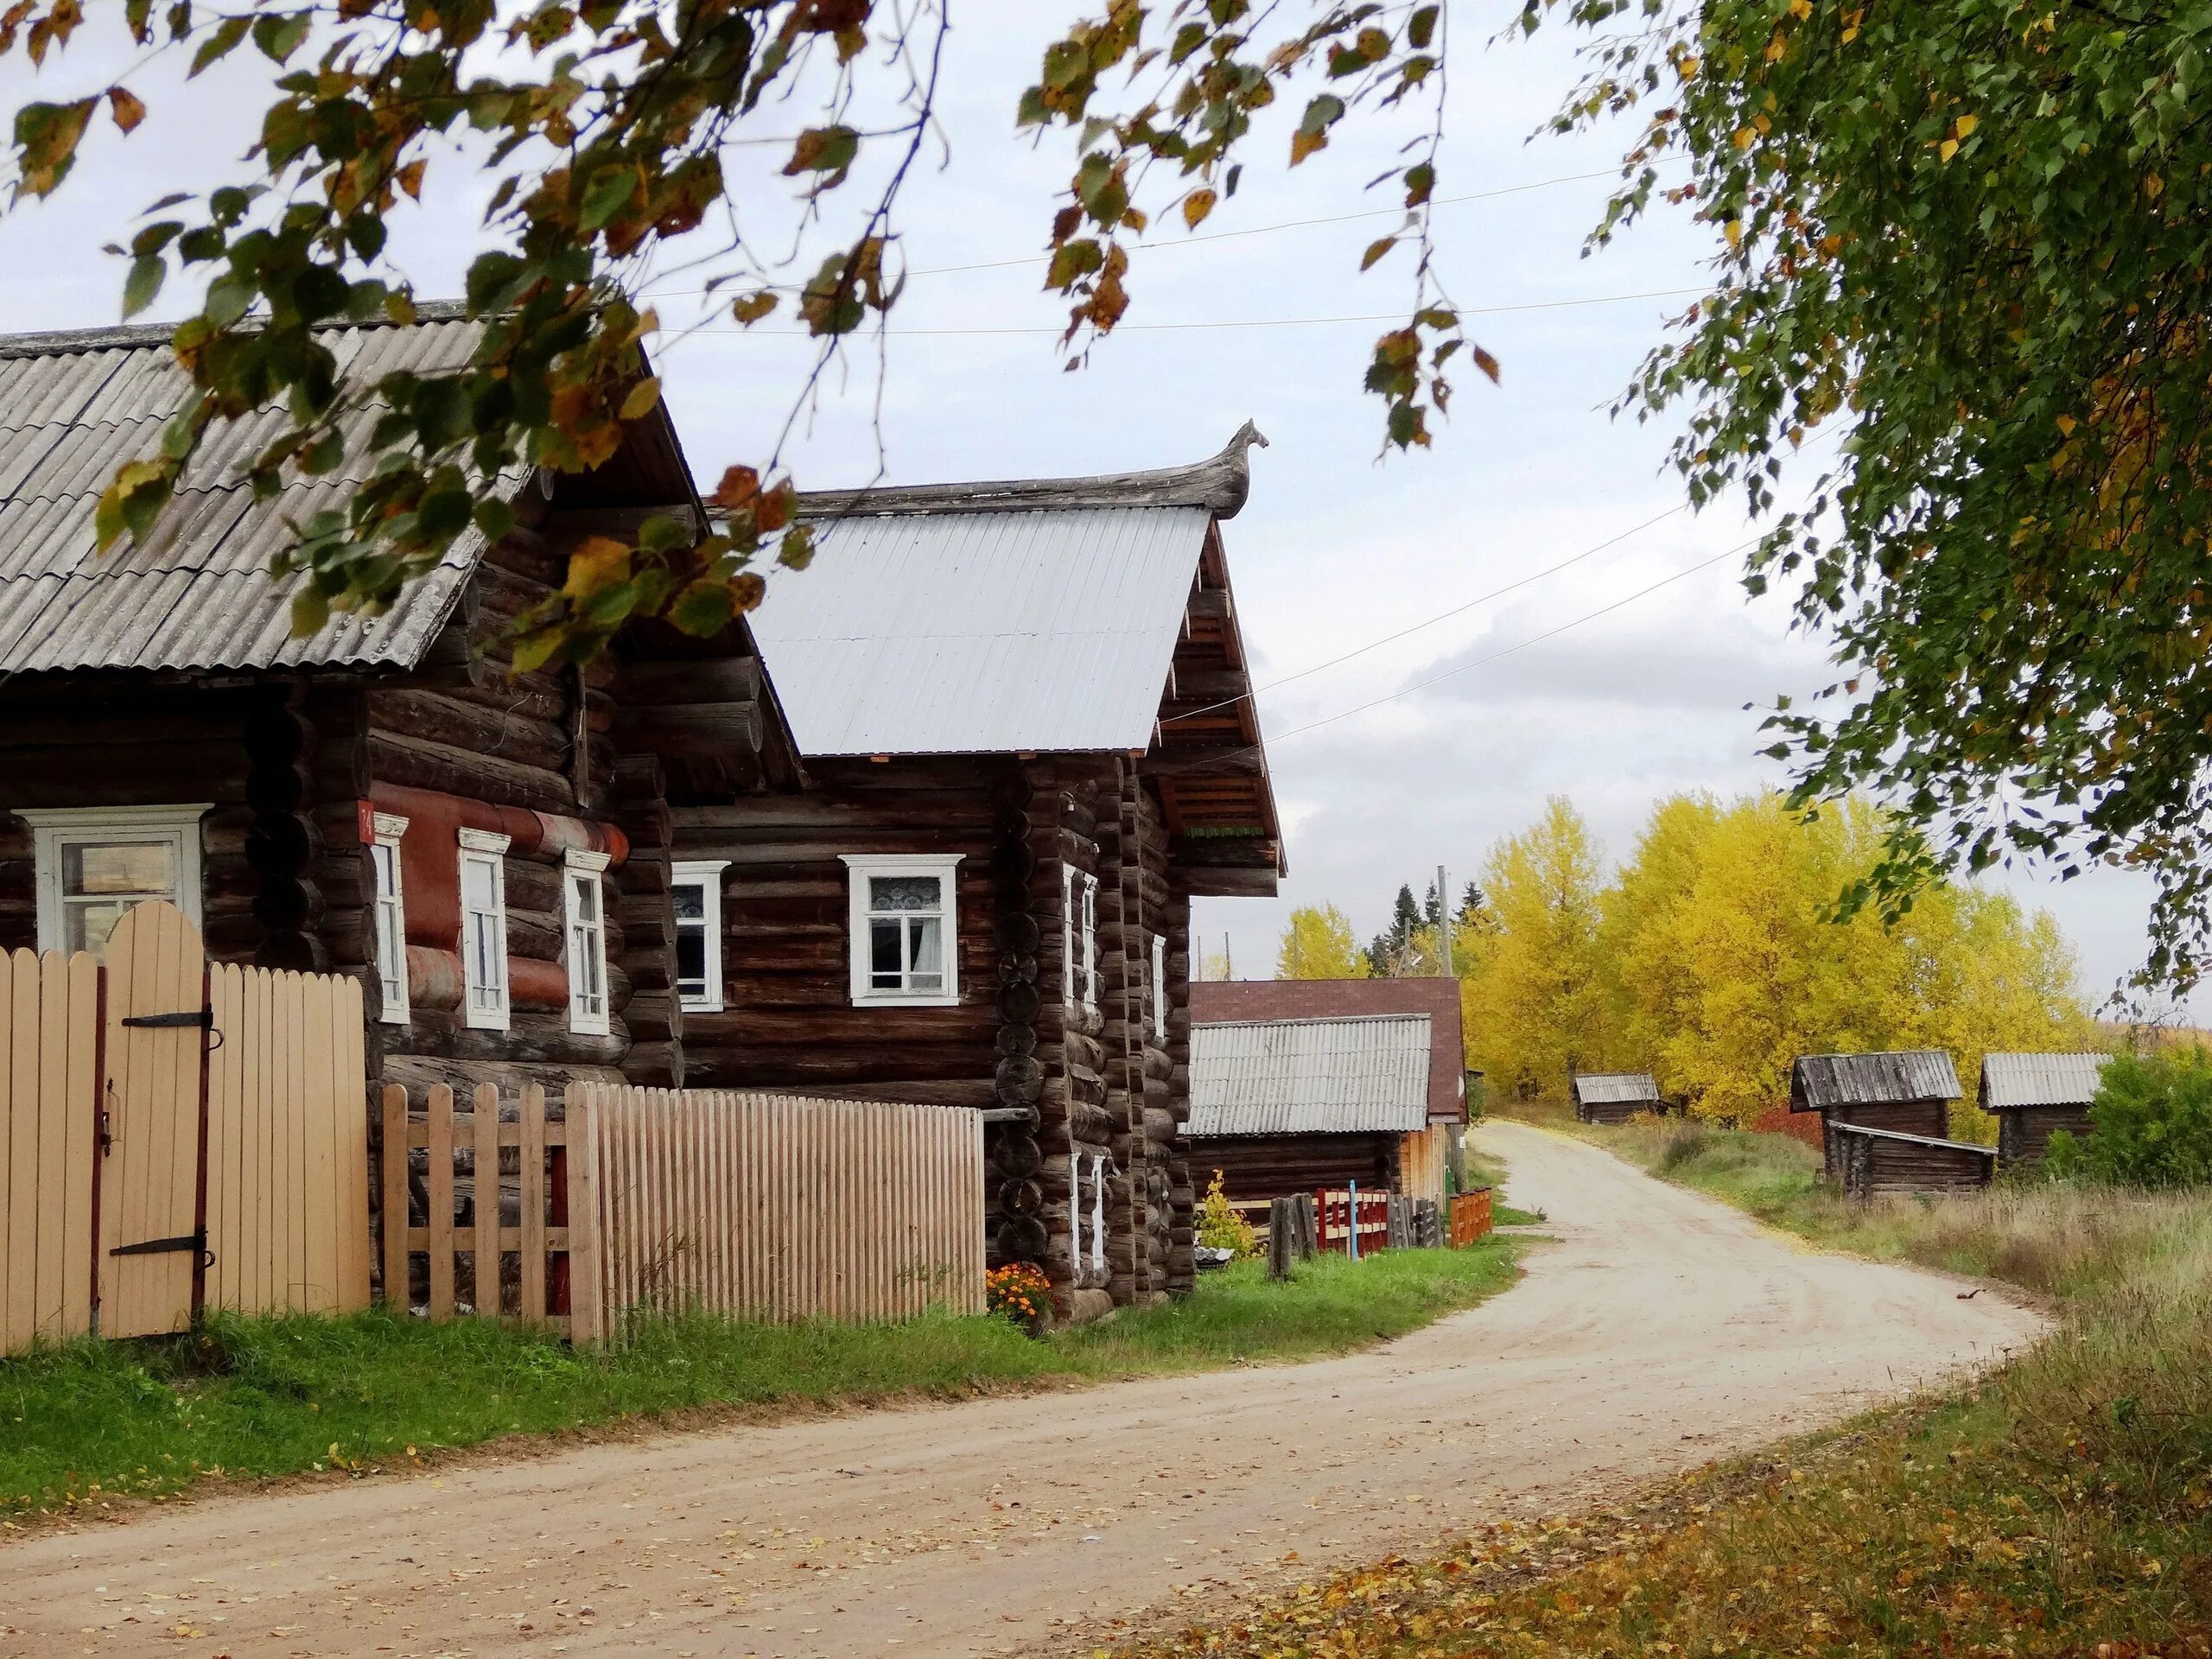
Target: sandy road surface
(1660,1331)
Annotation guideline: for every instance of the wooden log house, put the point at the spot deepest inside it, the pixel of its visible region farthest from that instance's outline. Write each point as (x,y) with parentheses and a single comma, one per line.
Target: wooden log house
(487,852)
(1024,711)
(1286,1106)
(1909,1092)
(1614,1096)
(1872,1163)
(2032,1095)
(1417,1164)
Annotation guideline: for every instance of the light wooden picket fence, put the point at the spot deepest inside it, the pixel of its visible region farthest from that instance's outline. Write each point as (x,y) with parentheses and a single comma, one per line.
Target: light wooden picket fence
(175,1136)
(634,1200)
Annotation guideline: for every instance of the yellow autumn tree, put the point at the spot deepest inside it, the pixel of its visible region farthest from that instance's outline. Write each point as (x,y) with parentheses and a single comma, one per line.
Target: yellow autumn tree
(1535,1001)
(1318,943)
(1647,988)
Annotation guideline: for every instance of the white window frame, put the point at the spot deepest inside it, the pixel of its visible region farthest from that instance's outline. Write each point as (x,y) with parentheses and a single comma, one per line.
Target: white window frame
(1160,985)
(860,867)
(706,875)
(55,828)
(1078,914)
(387,830)
(1075,1210)
(484,846)
(578,867)
(1098,1211)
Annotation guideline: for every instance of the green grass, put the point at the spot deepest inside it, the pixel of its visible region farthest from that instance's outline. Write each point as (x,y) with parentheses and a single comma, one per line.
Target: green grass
(2060,1507)
(255,1398)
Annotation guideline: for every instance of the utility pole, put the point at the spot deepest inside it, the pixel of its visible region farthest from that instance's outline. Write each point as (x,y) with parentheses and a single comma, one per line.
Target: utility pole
(1228,962)
(1444,921)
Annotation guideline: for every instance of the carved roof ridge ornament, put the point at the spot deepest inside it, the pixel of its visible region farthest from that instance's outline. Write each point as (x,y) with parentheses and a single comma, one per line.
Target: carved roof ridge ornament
(1220,484)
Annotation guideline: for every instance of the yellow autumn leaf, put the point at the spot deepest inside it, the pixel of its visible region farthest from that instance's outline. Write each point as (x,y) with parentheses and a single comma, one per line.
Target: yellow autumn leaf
(1948,149)
(1964,126)
(1734,230)
(600,562)
(1196,207)
(1778,47)
(1744,136)
(1801,9)
(2066,424)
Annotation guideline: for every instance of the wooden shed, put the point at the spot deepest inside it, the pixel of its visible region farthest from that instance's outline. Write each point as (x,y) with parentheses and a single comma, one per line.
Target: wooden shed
(1027,723)
(1423,1154)
(1869,1163)
(1284,1106)
(1908,1091)
(1614,1096)
(2031,1095)
(487,853)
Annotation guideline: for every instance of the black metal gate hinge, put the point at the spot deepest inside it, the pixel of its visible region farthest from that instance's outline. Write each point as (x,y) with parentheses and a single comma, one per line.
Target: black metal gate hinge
(204,1018)
(194,1241)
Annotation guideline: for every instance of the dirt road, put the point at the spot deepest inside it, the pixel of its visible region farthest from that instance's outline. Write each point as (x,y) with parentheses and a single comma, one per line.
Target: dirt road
(1660,1331)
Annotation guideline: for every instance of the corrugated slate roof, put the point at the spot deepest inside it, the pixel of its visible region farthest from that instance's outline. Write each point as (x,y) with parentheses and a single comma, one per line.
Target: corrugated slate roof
(2014,1080)
(983,633)
(1222,1001)
(198,596)
(1613,1088)
(1818,1082)
(1364,1074)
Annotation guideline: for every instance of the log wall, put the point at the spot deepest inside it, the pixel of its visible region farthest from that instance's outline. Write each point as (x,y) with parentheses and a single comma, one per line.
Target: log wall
(1875,1165)
(1258,1166)
(2023,1132)
(1928,1118)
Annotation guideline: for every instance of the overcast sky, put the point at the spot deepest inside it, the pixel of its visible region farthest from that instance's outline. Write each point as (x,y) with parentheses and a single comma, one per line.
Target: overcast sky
(1335,549)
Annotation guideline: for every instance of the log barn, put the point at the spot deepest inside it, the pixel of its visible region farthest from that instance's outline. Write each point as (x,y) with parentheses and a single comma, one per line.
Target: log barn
(1909,1092)
(1025,721)
(487,852)
(1284,1106)
(1425,1155)
(2031,1095)
(1873,1163)
(1613,1097)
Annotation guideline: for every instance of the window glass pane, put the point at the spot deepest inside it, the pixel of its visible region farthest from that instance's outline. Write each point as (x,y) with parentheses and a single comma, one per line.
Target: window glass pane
(139,868)
(923,942)
(690,898)
(691,959)
(86,927)
(587,891)
(884,946)
(891,893)
(476,883)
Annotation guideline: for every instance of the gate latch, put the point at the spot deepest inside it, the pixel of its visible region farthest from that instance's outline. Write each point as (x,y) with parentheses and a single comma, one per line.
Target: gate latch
(204,1018)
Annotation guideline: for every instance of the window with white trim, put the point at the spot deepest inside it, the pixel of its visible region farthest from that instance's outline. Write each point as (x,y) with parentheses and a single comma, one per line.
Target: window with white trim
(94,863)
(391,917)
(1079,938)
(1160,985)
(583,918)
(1098,1211)
(1075,1210)
(697,894)
(484,930)
(903,938)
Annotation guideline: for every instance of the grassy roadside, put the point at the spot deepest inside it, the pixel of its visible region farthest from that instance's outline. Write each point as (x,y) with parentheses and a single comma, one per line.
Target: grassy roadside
(2063,1507)
(249,1399)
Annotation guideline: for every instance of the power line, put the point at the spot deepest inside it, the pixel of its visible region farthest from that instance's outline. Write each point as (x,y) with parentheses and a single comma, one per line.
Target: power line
(1430,622)
(1248,322)
(1255,229)
(1436,679)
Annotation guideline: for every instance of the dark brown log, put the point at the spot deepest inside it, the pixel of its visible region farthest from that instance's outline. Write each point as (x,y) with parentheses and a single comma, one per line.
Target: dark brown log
(420,764)
(470,725)
(726,679)
(682,729)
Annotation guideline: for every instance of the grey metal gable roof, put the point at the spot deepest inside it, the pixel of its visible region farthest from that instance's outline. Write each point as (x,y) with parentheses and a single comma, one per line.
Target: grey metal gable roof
(2009,1081)
(1818,1082)
(1363,1074)
(198,594)
(991,631)
(1614,1088)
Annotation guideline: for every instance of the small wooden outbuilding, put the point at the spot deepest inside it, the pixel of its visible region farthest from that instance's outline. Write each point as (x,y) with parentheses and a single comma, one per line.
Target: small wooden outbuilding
(1909,1092)
(1614,1096)
(2031,1095)
(1870,1162)
(1284,1106)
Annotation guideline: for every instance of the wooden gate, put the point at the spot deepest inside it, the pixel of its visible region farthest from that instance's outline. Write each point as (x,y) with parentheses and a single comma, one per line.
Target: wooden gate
(172,1138)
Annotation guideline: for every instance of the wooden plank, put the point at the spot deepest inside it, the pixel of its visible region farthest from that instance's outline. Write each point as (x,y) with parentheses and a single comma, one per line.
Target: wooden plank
(51,1039)
(484,1128)
(530,1153)
(81,1145)
(283,1131)
(315,1265)
(226,1091)
(18,1224)
(156,966)
(397,1294)
(586,1305)
(351,1080)
(441,1229)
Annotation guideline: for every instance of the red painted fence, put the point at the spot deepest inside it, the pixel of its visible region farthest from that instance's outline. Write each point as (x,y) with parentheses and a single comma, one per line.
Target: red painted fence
(1471,1217)
(1334,1214)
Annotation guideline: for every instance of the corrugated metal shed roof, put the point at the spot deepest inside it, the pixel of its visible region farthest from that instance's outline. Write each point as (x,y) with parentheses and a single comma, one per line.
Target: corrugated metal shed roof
(1223,1001)
(198,596)
(2012,1080)
(1819,1080)
(1364,1074)
(983,633)
(1611,1088)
